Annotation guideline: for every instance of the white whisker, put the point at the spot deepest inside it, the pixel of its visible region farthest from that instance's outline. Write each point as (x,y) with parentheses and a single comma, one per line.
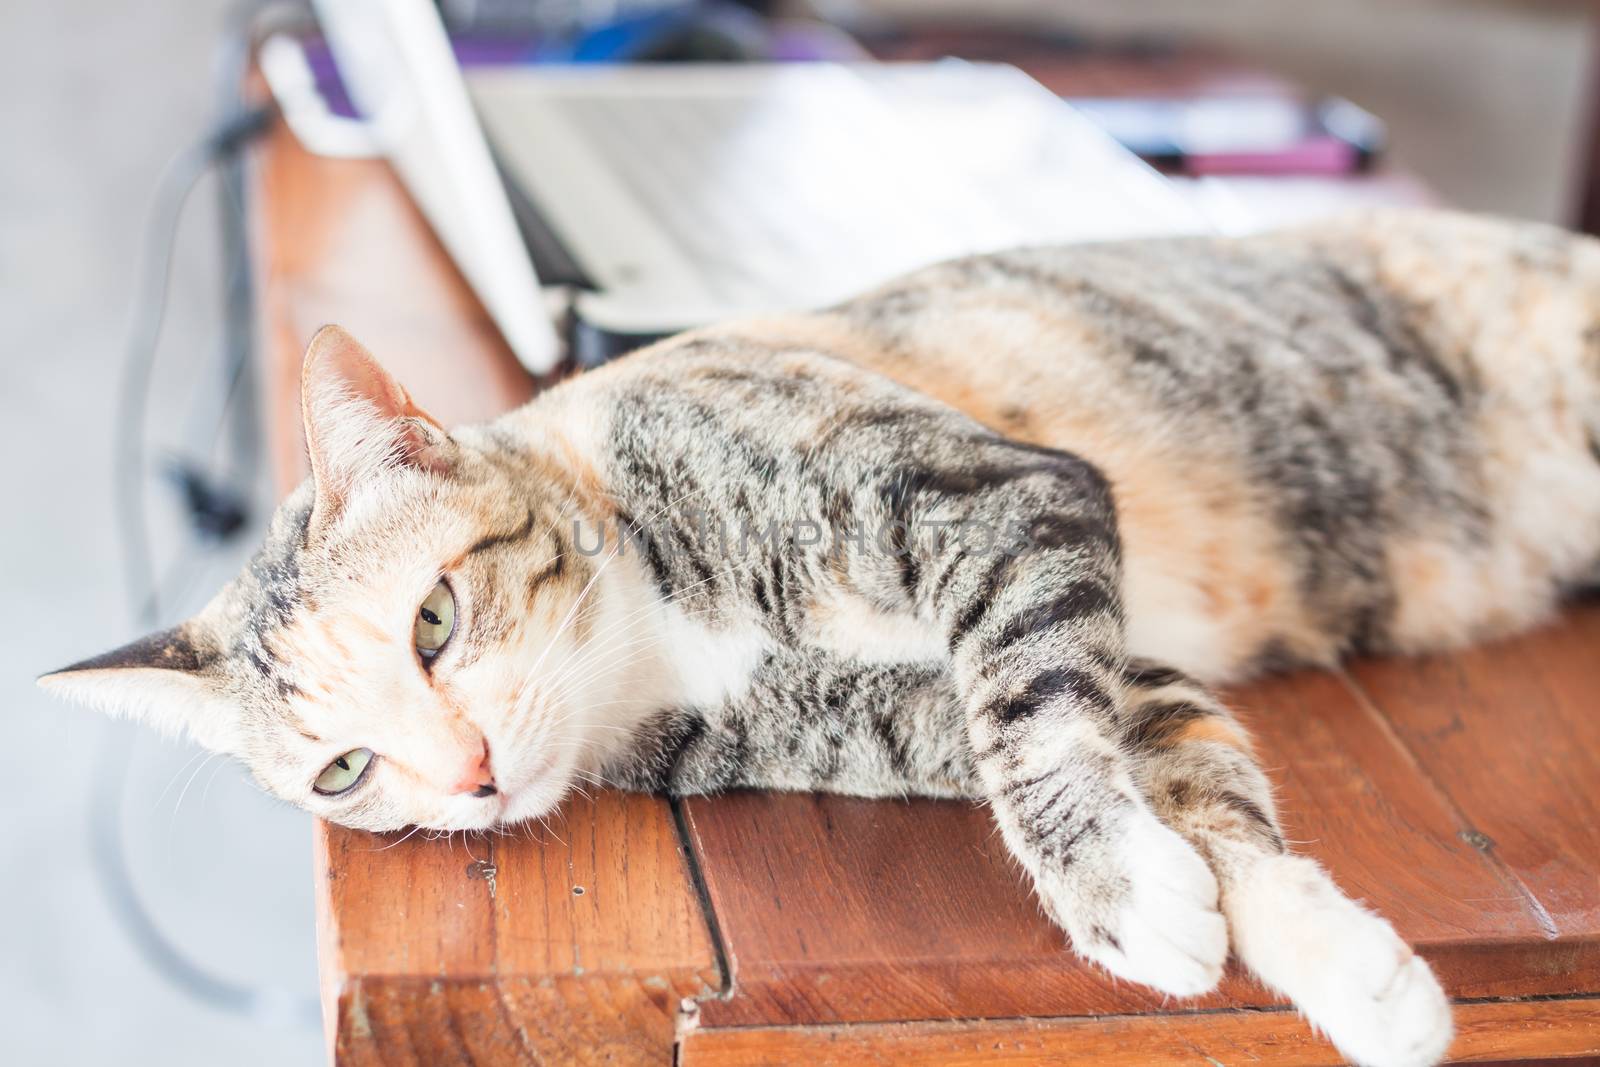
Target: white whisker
(200,755)
(402,840)
(179,805)
(206,790)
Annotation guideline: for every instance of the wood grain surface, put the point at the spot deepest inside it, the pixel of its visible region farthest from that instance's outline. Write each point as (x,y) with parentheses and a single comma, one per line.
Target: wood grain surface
(572,943)
(1510,732)
(835,909)
(1459,795)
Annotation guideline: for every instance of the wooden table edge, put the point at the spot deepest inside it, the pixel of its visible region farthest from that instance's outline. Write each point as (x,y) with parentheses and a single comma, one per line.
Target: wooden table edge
(1548,1028)
(644,1009)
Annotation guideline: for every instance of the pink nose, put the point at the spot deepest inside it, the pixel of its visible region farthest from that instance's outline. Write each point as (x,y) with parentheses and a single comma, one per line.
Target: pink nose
(477,778)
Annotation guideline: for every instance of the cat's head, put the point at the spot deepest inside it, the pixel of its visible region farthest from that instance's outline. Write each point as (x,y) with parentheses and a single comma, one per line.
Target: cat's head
(414,642)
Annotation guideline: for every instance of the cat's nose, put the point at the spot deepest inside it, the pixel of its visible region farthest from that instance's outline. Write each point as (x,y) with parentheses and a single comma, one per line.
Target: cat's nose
(478,778)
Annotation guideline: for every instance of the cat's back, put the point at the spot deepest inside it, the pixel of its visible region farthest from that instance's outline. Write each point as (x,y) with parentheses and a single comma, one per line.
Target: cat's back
(1464,298)
(1323,437)
(1199,325)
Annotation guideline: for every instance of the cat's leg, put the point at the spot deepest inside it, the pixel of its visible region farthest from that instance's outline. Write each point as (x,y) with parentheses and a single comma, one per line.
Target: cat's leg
(807,720)
(1343,966)
(1035,640)
(1131,894)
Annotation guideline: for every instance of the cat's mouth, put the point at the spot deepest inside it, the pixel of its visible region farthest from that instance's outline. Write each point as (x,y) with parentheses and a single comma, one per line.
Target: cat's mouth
(536,791)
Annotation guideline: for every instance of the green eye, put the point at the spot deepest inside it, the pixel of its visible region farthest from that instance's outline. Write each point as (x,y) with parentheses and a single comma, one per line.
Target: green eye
(344,773)
(436,620)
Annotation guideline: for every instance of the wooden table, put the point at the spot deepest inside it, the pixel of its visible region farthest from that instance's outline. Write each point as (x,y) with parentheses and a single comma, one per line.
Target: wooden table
(1458,795)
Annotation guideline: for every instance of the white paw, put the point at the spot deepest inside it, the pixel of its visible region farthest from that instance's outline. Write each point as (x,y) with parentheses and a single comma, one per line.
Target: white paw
(1344,967)
(1403,1021)
(1166,931)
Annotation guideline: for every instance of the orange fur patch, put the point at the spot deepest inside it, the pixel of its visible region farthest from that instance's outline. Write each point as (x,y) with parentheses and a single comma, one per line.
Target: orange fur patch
(1217,728)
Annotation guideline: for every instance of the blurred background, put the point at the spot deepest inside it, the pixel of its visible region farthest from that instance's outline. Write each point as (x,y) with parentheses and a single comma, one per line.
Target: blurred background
(200,946)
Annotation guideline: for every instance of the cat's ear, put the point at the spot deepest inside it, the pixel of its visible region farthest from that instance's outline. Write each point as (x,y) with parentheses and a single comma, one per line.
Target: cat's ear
(165,681)
(359,419)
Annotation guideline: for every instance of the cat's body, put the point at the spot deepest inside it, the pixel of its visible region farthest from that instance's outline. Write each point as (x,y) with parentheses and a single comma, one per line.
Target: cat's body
(1377,437)
(974,534)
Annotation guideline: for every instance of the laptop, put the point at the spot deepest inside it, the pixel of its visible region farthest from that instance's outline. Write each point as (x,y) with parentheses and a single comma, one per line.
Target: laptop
(671,196)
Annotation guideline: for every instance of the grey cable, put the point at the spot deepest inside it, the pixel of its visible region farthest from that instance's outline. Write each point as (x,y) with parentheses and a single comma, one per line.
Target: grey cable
(179,180)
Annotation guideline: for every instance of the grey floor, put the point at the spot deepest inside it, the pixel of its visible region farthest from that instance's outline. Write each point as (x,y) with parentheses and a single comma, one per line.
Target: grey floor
(98,94)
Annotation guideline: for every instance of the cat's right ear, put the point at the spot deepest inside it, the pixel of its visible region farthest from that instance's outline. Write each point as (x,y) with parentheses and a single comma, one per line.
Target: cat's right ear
(359,420)
(165,681)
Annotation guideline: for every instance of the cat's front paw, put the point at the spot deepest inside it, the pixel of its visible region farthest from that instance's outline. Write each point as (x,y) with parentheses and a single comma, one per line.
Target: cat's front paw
(1147,912)
(1344,967)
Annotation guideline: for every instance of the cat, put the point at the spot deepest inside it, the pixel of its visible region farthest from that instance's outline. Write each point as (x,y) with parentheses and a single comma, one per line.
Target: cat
(988,531)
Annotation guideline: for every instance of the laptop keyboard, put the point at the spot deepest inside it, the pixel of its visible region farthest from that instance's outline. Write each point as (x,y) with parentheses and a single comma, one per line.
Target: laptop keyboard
(809,184)
(758,198)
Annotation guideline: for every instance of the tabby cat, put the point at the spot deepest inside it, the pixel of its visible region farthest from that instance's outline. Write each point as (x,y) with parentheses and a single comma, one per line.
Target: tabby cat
(988,531)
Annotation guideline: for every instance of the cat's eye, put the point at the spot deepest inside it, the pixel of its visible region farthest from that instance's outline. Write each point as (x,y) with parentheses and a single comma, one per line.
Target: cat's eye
(436,621)
(344,773)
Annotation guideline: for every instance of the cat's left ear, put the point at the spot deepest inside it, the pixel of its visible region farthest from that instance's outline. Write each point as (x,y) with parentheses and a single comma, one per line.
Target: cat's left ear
(359,419)
(166,680)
